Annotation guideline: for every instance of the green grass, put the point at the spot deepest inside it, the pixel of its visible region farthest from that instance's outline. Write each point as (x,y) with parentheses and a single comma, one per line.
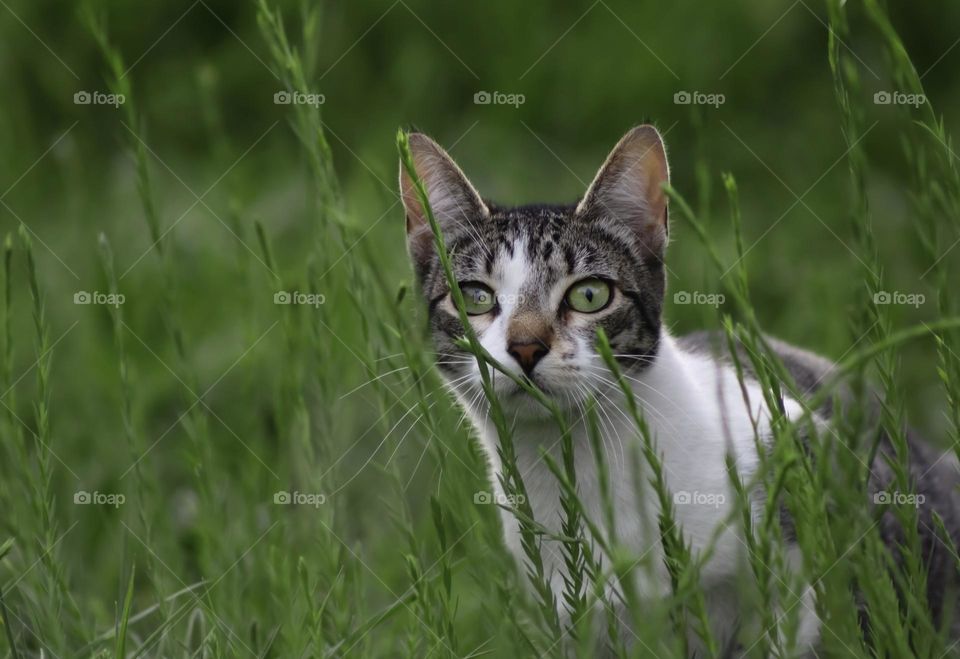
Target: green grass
(199,404)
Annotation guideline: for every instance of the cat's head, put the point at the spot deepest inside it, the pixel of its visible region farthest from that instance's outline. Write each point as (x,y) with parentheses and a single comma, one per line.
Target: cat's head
(538,280)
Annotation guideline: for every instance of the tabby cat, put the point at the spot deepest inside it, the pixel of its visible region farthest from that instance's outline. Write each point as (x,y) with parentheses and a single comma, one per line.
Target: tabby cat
(537,282)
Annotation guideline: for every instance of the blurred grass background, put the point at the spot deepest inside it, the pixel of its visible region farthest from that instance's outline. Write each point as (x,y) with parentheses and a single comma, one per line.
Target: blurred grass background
(203,84)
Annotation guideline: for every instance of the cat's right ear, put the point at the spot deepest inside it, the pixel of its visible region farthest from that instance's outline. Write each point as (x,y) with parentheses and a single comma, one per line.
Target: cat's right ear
(454,201)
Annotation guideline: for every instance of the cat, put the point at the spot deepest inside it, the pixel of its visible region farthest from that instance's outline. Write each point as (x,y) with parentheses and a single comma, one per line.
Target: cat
(537,282)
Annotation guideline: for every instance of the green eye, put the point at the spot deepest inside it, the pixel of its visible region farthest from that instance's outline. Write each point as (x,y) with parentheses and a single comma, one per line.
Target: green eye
(588,295)
(477,298)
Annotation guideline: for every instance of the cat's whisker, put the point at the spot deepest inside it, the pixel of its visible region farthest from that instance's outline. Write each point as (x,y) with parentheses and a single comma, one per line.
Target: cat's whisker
(462,388)
(612,431)
(463,377)
(613,425)
(648,409)
(472,230)
(379,377)
(454,359)
(461,392)
(400,442)
(664,397)
(606,436)
(596,370)
(470,405)
(373,453)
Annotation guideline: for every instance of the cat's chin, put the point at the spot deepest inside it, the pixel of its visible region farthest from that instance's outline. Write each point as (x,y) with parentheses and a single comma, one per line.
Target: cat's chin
(522,405)
(518,403)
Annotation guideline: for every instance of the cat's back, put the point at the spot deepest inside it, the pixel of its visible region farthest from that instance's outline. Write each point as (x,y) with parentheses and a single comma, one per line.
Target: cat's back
(935,475)
(809,370)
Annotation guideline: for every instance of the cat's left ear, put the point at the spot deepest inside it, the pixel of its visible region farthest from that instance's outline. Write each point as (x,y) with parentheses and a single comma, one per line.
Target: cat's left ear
(628,188)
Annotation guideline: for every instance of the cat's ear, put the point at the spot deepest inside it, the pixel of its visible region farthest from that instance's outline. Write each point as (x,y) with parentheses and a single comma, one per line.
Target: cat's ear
(454,201)
(628,188)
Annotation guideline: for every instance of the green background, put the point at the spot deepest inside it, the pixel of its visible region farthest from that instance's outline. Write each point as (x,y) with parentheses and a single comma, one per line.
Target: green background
(203,83)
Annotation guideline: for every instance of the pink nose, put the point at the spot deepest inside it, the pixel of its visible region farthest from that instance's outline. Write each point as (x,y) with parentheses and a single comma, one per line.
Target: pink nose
(527,353)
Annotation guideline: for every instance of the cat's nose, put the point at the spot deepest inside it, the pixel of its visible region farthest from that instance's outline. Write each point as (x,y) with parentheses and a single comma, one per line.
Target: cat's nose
(527,353)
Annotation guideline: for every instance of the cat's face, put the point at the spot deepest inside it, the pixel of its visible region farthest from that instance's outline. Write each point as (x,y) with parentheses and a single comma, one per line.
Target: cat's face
(538,281)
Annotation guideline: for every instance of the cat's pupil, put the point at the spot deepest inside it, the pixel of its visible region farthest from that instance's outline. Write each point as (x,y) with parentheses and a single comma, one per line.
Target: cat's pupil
(588,294)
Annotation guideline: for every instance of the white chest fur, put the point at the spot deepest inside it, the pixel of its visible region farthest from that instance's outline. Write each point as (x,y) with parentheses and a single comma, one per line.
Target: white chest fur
(697,415)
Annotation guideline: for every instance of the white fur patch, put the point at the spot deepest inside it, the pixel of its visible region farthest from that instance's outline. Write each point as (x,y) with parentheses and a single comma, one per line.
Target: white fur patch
(695,410)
